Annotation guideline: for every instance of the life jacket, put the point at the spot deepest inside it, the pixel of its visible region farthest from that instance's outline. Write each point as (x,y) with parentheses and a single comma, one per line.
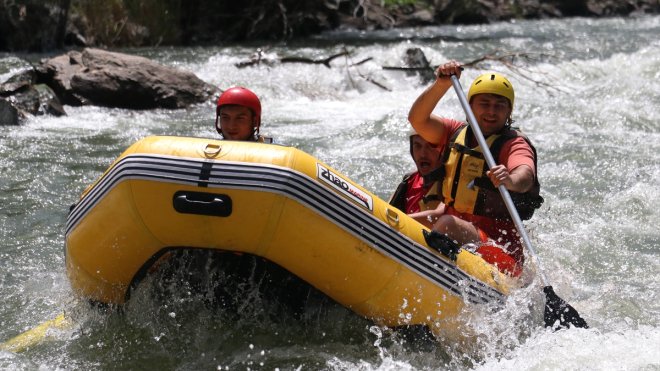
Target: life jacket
(429,201)
(466,187)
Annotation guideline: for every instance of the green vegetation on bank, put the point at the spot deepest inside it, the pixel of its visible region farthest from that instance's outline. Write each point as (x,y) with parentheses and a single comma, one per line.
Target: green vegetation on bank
(128,22)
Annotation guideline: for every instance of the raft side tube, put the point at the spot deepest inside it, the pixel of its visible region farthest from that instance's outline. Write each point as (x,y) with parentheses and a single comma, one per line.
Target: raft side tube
(286,207)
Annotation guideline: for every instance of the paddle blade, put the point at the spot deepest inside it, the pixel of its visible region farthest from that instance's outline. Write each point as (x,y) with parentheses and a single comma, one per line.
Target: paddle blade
(558,313)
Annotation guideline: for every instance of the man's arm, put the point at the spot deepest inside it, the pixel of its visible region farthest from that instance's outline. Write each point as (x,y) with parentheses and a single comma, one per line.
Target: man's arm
(429,217)
(518,156)
(430,126)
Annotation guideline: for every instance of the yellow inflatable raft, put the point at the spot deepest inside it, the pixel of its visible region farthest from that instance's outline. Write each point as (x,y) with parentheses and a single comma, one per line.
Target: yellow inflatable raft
(274,202)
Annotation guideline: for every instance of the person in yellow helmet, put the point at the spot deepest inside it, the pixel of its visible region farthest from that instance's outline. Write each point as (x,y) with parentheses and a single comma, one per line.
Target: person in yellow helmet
(418,193)
(474,210)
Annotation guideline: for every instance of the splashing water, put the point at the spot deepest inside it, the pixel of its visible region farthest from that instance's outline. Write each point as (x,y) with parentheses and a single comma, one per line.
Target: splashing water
(592,118)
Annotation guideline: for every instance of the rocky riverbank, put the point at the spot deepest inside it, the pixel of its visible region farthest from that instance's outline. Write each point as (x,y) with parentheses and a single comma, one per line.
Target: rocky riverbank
(46,25)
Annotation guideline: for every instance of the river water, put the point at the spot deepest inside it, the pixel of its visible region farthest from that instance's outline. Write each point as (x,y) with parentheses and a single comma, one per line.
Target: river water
(588,97)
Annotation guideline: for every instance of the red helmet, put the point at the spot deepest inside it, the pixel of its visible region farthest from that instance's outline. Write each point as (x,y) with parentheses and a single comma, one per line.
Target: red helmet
(241,96)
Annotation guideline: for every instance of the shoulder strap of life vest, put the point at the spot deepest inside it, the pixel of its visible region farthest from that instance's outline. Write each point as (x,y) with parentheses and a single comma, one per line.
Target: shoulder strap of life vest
(462,148)
(447,151)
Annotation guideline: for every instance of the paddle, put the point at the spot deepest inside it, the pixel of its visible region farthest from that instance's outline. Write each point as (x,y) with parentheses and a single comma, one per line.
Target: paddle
(557,313)
(34,335)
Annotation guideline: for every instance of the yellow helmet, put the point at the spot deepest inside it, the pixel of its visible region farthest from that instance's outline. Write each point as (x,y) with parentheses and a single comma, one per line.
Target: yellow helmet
(492,83)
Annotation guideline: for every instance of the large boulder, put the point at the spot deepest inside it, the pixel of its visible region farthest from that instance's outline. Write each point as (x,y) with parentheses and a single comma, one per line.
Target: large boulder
(57,73)
(8,113)
(17,82)
(110,79)
(20,97)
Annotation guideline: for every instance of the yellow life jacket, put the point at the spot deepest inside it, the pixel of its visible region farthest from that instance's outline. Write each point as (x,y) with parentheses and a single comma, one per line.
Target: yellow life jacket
(466,187)
(462,166)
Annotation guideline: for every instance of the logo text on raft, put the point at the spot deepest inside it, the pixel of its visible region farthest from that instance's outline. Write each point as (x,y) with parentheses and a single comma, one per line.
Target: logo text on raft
(344,187)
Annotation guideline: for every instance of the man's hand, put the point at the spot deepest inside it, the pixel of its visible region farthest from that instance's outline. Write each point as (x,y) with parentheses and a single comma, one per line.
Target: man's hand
(521,179)
(444,71)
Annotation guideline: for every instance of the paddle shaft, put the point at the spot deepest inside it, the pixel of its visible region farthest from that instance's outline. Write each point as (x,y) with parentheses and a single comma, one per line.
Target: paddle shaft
(491,163)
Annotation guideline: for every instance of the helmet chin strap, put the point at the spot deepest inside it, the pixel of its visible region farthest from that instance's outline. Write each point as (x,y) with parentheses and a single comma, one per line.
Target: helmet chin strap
(255,129)
(217,125)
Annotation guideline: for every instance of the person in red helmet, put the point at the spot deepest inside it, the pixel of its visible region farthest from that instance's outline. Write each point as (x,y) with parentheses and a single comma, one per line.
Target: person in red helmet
(238,115)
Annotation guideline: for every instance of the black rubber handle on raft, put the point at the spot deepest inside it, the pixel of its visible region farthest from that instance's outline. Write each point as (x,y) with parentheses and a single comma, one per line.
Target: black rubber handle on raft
(202,203)
(442,243)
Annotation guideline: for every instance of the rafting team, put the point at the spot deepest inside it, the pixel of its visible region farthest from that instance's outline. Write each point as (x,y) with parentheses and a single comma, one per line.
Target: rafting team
(452,192)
